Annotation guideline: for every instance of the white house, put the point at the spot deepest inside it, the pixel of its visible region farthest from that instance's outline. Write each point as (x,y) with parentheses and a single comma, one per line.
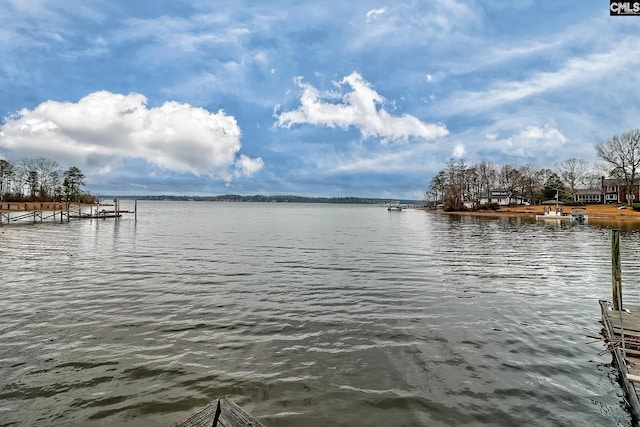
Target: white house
(503,198)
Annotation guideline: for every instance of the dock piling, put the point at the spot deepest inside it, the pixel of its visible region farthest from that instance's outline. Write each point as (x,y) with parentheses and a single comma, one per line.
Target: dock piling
(616,272)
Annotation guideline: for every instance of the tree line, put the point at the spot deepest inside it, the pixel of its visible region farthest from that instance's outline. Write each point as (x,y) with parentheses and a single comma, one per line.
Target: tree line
(460,183)
(41,180)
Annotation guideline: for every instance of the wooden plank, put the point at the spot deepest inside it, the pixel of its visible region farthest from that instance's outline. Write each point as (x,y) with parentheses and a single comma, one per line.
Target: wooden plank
(633,371)
(203,417)
(632,352)
(235,416)
(635,335)
(229,415)
(631,326)
(630,318)
(627,311)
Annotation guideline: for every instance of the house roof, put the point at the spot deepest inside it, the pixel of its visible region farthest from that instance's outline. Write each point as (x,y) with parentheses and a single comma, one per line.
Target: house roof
(615,181)
(589,191)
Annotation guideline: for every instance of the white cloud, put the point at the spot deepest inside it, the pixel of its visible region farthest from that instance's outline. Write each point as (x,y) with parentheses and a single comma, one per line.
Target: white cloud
(361,108)
(459,151)
(414,23)
(417,159)
(532,141)
(359,161)
(104,128)
(246,166)
(373,13)
(575,72)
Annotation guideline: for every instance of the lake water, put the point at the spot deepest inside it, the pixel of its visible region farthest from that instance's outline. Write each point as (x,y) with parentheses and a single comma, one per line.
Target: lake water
(308,315)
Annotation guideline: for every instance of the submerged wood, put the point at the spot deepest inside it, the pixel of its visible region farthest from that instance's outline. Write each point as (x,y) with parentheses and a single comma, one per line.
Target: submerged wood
(220,412)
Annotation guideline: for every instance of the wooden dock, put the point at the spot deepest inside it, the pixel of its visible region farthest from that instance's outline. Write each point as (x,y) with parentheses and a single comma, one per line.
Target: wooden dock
(622,332)
(20,212)
(32,212)
(220,413)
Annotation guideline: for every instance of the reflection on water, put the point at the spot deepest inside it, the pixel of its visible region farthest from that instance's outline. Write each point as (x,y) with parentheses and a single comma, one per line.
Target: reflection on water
(308,315)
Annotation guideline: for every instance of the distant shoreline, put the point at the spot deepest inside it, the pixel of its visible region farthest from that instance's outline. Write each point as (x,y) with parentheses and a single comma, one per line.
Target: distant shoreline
(285,198)
(599,213)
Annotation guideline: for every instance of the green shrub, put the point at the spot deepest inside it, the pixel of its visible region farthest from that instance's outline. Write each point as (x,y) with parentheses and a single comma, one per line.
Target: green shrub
(493,206)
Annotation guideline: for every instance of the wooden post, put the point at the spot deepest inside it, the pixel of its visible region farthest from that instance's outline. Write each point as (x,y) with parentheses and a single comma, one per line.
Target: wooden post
(616,274)
(135,210)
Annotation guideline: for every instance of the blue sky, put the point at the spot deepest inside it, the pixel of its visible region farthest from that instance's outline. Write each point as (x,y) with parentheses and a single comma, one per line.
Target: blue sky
(332,98)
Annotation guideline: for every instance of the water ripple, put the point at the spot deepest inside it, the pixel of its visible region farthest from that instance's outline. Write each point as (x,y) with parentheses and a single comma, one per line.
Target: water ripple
(306,315)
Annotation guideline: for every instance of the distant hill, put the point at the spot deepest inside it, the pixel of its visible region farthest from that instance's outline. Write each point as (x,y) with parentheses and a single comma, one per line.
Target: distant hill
(276,199)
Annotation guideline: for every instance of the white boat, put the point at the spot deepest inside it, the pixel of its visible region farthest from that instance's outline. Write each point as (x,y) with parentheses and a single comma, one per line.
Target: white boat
(395,206)
(554,214)
(579,216)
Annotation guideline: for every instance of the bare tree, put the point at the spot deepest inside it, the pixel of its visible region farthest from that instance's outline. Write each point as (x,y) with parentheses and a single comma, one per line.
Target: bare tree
(487,176)
(622,153)
(48,176)
(508,178)
(33,182)
(6,175)
(19,181)
(456,185)
(530,181)
(572,171)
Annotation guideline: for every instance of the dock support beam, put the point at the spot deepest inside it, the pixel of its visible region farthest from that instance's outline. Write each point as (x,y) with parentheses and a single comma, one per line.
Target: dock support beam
(616,274)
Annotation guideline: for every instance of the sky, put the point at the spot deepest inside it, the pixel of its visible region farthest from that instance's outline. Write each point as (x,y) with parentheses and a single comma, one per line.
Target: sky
(332,98)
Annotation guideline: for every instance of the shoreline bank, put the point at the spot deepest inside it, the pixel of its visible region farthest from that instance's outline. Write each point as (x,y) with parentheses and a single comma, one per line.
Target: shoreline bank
(596,213)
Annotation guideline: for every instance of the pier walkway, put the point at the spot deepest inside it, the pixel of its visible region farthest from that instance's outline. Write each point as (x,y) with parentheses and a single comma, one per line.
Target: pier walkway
(220,413)
(22,212)
(32,212)
(622,332)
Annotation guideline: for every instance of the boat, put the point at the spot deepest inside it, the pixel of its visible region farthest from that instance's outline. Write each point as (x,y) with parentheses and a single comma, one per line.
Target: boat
(579,216)
(395,206)
(554,214)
